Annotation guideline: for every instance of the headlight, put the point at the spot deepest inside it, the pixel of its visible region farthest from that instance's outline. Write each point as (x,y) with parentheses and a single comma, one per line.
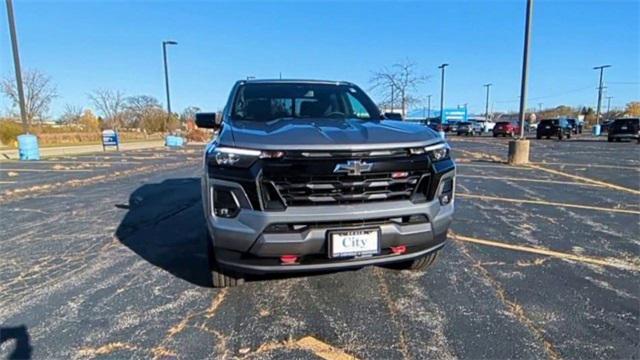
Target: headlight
(237,157)
(435,152)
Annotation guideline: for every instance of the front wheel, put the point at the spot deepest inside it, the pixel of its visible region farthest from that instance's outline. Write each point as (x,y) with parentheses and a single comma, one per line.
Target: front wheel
(421,263)
(560,136)
(221,278)
(569,136)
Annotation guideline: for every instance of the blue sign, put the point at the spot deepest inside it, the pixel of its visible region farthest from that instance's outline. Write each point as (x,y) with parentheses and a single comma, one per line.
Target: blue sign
(110,138)
(455,115)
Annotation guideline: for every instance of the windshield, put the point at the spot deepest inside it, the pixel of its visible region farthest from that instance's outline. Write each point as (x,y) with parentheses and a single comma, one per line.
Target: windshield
(267,102)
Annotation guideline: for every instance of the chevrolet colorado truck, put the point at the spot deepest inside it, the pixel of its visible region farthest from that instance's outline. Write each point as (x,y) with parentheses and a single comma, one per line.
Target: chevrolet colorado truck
(309,176)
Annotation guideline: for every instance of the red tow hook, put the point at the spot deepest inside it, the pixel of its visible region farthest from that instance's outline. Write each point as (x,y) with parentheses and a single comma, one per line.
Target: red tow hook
(400,249)
(288,259)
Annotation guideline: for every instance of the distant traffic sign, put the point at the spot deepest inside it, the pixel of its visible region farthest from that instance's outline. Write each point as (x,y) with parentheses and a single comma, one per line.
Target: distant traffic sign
(110,138)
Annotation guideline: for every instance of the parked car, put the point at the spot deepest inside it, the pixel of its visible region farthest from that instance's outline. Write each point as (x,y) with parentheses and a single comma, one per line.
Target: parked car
(452,126)
(624,128)
(506,128)
(469,128)
(554,127)
(309,176)
(485,125)
(573,123)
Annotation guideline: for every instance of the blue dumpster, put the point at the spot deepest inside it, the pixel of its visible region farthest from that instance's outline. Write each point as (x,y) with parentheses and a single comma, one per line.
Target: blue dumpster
(596,130)
(28,147)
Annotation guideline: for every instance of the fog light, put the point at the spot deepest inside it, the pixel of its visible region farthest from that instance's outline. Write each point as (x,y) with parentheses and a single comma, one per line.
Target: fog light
(446,192)
(225,204)
(445,199)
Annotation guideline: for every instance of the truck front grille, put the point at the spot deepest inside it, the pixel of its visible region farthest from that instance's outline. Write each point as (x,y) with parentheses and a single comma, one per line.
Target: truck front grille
(302,190)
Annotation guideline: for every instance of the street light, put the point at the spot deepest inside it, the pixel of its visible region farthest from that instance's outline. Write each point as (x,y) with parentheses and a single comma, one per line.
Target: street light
(601,68)
(429,106)
(166,77)
(16,63)
(486,109)
(519,149)
(609,106)
(442,92)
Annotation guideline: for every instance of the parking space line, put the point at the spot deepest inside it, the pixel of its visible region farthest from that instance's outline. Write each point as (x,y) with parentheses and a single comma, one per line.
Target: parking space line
(548,203)
(601,183)
(490,165)
(616,263)
(322,349)
(527,180)
(47,170)
(8,182)
(636,168)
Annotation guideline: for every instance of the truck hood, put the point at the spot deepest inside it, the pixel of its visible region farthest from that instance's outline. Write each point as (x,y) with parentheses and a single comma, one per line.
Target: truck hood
(327,134)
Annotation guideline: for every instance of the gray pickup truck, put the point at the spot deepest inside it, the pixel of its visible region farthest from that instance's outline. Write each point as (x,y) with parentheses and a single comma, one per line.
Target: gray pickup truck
(310,176)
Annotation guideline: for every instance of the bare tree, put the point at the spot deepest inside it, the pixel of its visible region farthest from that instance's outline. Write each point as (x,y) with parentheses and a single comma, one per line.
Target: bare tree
(138,107)
(111,104)
(189,114)
(39,91)
(400,81)
(71,114)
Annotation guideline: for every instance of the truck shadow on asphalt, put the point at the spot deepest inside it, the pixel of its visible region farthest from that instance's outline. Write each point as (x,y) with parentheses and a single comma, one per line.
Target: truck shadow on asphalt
(21,336)
(165,225)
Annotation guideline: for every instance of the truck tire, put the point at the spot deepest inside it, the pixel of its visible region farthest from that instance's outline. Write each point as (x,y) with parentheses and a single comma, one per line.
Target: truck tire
(538,137)
(560,136)
(609,139)
(221,278)
(569,136)
(421,263)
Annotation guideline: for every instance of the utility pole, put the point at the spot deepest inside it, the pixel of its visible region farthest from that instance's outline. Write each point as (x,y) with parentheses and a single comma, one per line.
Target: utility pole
(429,106)
(486,108)
(442,67)
(392,99)
(16,64)
(166,79)
(609,106)
(540,107)
(601,68)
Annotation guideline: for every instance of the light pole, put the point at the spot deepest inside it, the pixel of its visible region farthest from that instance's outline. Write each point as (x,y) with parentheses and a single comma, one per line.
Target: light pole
(16,64)
(429,106)
(525,67)
(609,106)
(519,149)
(540,107)
(166,78)
(486,108)
(601,68)
(442,67)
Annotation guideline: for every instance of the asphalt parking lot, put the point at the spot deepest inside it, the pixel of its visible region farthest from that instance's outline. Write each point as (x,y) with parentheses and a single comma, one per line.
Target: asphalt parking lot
(104,256)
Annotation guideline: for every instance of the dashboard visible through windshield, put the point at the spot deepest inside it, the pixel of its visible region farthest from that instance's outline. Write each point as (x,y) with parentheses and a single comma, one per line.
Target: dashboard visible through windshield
(268,102)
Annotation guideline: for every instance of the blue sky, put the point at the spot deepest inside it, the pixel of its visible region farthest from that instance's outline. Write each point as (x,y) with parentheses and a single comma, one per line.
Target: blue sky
(84,45)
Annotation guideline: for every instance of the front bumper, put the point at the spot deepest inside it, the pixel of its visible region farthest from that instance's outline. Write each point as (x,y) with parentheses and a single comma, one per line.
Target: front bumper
(241,242)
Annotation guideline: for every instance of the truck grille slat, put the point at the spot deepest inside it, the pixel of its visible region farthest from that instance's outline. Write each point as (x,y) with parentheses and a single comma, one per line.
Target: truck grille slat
(340,189)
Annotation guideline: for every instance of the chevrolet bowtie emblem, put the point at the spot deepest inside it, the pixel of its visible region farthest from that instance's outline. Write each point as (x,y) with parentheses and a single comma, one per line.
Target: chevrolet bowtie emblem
(353,167)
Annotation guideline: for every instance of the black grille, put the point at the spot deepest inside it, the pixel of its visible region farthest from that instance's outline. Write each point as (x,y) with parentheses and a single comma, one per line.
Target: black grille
(341,189)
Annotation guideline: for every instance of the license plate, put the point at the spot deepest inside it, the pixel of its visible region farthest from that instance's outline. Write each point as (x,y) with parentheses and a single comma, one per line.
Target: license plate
(623,128)
(354,242)
(547,127)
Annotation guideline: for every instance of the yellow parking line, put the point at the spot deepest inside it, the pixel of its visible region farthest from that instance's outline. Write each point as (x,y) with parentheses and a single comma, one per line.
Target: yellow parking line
(549,203)
(47,170)
(322,349)
(526,179)
(585,179)
(636,168)
(562,255)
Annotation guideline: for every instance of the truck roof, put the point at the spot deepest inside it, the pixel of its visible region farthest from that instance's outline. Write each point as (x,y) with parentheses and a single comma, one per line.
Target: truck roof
(294,81)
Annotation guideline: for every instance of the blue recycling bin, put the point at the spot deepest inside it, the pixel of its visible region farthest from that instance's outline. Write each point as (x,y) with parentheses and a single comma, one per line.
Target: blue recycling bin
(28,147)
(174,141)
(596,129)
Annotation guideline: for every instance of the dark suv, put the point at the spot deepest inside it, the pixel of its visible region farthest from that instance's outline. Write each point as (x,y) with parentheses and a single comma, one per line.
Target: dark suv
(309,175)
(625,128)
(554,127)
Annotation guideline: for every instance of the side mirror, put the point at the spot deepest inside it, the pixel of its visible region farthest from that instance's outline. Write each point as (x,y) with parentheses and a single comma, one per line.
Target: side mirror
(207,120)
